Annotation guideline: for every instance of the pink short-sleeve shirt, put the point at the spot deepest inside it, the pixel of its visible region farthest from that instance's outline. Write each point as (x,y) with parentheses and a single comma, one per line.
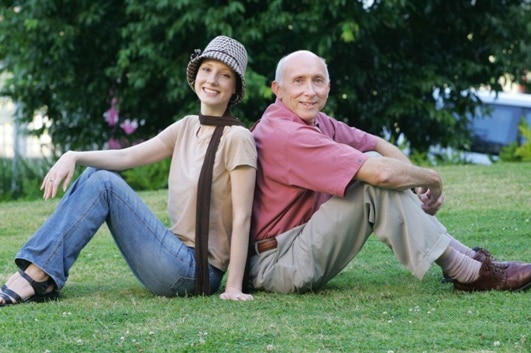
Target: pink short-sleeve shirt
(301,166)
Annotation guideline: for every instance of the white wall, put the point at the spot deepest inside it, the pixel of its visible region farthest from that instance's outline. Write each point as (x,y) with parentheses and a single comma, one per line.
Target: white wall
(12,137)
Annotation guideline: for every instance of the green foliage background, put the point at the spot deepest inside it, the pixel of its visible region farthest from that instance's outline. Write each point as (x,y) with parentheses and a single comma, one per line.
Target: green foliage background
(67,58)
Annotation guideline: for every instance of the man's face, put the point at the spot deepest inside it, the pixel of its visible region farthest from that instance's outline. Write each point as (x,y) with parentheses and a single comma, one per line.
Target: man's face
(304,85)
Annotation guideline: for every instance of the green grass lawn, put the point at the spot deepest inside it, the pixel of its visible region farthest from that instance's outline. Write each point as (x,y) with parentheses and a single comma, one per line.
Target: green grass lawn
(374,305)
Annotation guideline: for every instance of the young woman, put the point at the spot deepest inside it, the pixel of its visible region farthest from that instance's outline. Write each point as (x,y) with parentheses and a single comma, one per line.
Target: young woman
(210,186)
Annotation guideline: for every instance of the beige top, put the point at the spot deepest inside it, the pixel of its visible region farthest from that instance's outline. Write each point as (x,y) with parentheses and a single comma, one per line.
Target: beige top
(236,148)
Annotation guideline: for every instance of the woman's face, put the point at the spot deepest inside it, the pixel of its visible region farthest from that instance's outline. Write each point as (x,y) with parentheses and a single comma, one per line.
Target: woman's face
(215,84)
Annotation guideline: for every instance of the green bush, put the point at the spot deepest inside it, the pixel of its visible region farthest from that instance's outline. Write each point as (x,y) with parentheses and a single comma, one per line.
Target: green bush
(149,177)
(524,151)
(21,178)
(519,153)
(508,153)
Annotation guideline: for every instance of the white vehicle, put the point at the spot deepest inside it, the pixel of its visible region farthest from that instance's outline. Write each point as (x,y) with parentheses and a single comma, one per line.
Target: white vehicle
(498,127)
(492,128)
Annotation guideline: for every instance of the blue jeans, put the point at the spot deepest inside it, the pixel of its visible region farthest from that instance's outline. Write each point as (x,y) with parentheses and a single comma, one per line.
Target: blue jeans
(159,259)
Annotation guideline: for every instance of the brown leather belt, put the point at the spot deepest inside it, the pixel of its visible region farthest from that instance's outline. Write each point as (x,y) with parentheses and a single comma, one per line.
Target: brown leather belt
(263,246)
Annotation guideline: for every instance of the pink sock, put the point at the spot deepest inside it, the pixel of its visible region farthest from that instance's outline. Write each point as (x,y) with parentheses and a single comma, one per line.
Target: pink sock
(463,249)
(459,266)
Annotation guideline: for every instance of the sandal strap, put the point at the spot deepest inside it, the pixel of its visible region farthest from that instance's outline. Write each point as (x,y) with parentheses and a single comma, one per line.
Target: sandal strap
(9,296)
(40,288)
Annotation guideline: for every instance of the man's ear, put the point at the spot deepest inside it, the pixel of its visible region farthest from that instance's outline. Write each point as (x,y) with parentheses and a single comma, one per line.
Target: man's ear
(275,87)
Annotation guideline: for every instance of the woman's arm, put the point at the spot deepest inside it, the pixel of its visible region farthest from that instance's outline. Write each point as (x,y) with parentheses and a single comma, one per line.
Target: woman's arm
(150,151)
(242,184)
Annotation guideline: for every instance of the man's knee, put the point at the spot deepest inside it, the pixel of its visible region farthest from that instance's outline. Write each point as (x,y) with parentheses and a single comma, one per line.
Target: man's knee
(287,280)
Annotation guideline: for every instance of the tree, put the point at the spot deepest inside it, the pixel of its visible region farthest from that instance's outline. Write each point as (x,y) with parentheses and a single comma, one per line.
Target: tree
(70,58)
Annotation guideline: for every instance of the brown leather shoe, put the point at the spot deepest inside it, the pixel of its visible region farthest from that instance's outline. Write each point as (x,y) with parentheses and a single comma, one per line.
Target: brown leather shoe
(509,276)
(483,255)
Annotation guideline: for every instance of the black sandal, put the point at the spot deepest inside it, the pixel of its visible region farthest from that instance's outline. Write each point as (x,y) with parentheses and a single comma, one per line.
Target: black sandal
(40,288)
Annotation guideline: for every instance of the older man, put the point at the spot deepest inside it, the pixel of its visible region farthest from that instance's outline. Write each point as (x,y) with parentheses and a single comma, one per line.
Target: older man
(320,195)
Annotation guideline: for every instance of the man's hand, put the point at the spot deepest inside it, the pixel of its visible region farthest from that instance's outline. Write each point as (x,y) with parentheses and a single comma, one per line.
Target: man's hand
(431,201)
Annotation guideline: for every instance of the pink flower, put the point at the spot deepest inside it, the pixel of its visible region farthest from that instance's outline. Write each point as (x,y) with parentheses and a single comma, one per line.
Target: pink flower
(114,144)
(129,126)
(111,115)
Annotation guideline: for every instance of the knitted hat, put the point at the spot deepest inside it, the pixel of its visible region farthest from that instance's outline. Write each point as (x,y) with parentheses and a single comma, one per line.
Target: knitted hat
(226,50)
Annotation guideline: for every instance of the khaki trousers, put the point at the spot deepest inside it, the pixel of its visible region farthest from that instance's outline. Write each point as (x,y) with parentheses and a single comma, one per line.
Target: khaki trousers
(308,256)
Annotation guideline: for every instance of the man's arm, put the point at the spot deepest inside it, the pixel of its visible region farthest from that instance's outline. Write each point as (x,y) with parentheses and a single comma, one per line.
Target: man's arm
(393,170)
(387,149)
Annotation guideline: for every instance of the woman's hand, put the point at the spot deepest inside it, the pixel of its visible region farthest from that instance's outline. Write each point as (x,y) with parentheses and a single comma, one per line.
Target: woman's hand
(235,294)
(61,171)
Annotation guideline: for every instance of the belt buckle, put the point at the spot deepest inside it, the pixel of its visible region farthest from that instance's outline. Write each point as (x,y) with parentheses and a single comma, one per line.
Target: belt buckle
(256,248)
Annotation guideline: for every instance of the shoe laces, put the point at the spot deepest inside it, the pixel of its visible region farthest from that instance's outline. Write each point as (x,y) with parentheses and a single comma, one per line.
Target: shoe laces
(484,252)
(493,266)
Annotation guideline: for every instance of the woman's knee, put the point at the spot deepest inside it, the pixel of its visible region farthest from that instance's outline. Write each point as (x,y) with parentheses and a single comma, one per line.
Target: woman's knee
(105,177)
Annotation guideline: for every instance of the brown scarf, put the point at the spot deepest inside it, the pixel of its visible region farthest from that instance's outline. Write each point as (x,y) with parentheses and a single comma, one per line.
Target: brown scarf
(204,187)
